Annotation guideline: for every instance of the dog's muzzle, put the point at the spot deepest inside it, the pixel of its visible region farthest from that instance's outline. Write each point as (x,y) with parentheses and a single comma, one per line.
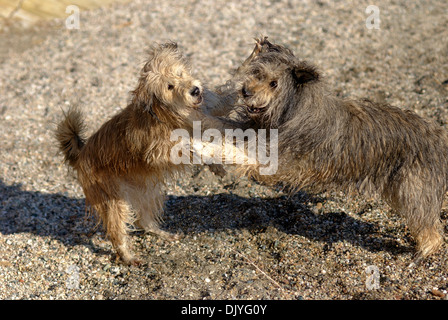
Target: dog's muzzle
(199,100)
(254,110)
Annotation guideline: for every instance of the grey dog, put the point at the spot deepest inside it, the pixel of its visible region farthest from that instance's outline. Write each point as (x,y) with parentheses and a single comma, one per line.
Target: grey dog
(352,145)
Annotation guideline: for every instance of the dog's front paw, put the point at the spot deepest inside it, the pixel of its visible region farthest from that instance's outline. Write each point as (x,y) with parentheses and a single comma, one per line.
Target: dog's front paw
(129,260)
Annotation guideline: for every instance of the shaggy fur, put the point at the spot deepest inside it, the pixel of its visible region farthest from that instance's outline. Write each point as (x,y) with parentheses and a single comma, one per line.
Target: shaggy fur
(328,142)
(123,166)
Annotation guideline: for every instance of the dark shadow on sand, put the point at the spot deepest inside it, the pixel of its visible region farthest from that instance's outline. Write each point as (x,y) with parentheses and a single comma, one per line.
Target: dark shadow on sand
(64,218)
(291,215)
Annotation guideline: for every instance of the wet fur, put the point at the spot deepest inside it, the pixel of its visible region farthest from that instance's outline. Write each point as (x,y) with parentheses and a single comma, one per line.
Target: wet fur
(328,142)
(122,167)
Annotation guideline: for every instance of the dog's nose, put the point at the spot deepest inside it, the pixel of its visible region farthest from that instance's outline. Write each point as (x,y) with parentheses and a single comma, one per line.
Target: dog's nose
(195,92)
(246,93)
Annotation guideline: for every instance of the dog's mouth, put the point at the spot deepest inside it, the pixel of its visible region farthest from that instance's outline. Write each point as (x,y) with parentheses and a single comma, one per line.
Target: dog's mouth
(255,110)
(198,101)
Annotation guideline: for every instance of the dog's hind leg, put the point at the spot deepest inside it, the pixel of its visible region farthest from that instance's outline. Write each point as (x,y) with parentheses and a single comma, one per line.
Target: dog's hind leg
(426,227)
(116,216)
(148,203)
(420,205)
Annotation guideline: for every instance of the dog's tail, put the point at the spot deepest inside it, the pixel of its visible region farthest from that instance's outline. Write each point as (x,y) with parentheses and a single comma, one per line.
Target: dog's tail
(69,134)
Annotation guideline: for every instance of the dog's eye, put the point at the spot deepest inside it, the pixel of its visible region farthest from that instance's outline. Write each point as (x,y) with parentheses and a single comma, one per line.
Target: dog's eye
(170,87)
(273,84)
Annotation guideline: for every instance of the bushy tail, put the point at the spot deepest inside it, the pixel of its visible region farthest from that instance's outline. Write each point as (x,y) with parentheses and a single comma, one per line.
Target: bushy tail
(69,135)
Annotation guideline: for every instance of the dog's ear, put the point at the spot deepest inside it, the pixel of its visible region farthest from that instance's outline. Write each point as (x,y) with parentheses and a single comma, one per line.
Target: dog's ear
(146,101)
(261,44)
(149,107)
(254,53)
(171,45)
(267,46)
(141,96)
(304,73)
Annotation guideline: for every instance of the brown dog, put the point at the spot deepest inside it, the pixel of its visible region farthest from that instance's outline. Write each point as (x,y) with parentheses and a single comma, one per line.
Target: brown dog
(123,166)
(325,141)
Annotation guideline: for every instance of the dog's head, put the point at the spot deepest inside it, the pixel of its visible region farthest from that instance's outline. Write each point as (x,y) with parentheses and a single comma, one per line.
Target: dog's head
(270,77)
(166,79)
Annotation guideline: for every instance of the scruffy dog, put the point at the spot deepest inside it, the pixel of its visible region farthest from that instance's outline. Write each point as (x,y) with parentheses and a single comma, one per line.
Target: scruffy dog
(326,141)
(123,166)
